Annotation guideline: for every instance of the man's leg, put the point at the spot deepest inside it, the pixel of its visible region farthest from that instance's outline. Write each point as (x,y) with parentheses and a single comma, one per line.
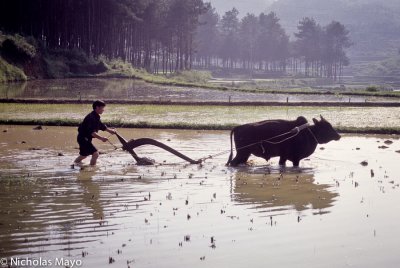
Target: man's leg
(93,161)
(83,149)
(79,159)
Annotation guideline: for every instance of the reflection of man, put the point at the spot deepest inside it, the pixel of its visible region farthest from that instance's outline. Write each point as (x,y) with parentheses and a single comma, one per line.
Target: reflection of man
(91,193)
(88,130)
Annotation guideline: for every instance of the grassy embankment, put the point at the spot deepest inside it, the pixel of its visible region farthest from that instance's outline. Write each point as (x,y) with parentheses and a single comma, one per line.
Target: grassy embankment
(201,79)
(371,120)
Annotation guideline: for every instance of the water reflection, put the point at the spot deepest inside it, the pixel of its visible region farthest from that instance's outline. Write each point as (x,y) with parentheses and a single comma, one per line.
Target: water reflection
(46,214)
(129,89)
(90,193)
(73,89)
(278,192)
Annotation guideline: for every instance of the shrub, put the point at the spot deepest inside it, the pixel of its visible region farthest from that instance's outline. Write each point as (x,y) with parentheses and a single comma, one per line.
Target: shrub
(10,73)
(200,77)
(17,48)
(56,68)
(372,89)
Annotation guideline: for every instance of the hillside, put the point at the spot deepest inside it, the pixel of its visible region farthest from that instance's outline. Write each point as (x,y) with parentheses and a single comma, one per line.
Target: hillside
(385,68)
(249,6)
(374,25)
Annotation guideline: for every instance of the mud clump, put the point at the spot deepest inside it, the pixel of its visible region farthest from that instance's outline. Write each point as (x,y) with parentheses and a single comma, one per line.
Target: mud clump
(145,161)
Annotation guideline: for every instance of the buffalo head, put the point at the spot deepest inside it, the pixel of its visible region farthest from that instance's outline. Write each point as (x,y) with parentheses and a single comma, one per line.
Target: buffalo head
(324,131)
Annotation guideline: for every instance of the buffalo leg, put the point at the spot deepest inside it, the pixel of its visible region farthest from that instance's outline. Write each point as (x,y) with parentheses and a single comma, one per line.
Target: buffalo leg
(240,158)
(296,163)
(266,157)
(282,161)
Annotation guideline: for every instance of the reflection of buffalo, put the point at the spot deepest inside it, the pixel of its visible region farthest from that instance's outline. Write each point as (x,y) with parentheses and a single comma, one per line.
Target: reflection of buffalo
(291,191)
(295,140)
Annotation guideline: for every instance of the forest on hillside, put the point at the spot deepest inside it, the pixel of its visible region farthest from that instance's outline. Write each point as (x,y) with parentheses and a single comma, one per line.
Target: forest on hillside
(174,35)
(260,43)
(374,24)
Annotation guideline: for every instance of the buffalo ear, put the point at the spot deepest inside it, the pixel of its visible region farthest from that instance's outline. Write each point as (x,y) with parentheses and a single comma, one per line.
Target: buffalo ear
(315,121)
(322,118)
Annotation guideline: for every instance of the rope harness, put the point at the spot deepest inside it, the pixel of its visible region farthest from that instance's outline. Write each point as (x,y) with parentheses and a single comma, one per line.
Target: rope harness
(294,132)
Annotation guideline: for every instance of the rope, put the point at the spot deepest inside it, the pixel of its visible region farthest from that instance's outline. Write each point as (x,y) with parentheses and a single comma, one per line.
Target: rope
(312,134)
(115,147)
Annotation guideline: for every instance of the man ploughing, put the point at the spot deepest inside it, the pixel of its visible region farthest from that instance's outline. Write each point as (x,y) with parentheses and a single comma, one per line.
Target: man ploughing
(88,130)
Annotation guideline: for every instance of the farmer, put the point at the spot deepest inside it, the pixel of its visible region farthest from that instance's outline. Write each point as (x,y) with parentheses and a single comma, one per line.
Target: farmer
(88,130)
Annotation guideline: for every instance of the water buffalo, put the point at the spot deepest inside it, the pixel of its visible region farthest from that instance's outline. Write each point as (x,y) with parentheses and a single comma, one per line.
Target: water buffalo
(299,140)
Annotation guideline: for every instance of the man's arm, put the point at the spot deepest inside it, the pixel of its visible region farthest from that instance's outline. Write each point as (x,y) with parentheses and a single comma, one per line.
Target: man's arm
(97,136)
(111,131)
(103,127)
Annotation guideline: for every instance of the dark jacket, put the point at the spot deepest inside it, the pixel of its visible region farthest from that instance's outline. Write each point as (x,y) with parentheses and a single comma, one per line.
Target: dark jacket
(90,124)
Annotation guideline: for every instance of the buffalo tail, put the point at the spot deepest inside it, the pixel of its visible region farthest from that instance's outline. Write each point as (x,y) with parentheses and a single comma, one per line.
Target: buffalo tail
(231,155)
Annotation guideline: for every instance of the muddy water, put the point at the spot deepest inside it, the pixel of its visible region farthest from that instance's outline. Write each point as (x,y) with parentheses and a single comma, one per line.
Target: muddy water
(332,212)
(128,89)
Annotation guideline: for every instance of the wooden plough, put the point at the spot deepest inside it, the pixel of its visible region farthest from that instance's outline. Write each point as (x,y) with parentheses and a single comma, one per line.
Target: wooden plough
(132,144)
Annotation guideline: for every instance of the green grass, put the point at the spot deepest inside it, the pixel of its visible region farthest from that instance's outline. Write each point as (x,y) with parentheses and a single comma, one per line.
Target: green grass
(187,126)
(349,119)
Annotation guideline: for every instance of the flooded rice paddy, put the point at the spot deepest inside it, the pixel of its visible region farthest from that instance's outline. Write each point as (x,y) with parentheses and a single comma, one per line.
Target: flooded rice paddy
(331,212)
(128,89)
